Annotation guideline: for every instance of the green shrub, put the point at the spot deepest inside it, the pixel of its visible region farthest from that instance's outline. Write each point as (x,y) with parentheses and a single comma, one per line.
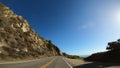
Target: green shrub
(1,23)
(4,35)
(34,54)
(8,29)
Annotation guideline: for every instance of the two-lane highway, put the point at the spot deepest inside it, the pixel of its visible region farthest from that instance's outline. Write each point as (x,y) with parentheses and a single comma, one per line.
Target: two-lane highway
(58,62)
(50,62)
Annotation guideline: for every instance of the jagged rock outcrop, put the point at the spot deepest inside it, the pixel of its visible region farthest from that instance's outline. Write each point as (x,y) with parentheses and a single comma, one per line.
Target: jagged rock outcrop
(112,55)
(19,40)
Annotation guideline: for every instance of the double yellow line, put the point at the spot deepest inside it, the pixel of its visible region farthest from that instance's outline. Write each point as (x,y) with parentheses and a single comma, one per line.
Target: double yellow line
(46,65)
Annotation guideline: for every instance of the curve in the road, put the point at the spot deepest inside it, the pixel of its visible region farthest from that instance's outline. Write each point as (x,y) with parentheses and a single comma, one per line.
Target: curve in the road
(49,62)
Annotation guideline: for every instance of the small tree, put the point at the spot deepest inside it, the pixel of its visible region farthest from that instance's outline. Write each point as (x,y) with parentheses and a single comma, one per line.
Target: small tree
(114,45)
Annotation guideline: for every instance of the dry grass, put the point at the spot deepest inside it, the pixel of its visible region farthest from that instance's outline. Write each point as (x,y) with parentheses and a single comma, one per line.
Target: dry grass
(76,62)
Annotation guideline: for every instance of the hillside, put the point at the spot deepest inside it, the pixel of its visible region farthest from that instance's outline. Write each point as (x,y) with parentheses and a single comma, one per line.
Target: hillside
(112,55)
(19,40)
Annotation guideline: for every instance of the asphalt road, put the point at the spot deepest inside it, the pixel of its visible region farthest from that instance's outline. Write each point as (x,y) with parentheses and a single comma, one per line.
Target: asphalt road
(50,62)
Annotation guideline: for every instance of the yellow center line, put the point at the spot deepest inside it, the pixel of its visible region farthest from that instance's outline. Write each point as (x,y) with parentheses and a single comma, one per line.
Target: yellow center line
(46,65)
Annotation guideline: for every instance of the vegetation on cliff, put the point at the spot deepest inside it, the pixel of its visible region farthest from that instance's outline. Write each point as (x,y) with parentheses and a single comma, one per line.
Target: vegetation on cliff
(19,40)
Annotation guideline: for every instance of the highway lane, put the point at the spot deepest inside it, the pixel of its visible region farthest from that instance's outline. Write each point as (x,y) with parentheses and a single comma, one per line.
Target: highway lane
(59,62)
(49,62)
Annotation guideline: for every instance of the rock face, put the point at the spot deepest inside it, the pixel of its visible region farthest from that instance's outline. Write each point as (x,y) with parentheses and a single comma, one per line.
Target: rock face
(112,55)
(19,40)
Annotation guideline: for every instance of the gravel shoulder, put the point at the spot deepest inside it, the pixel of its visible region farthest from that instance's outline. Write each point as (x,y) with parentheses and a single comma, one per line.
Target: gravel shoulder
(76,62)
(18,60)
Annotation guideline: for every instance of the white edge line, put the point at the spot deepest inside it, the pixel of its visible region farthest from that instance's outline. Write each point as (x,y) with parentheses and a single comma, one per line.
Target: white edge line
(67,63)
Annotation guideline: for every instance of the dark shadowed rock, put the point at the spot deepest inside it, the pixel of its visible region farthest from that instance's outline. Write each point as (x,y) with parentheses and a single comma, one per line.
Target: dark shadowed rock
(112,55)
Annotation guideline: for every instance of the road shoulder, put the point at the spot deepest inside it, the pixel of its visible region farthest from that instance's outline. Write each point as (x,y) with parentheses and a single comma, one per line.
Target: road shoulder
(75,62)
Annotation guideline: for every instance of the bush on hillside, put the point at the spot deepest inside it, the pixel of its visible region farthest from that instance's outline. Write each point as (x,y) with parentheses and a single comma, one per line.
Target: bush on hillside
(114,45)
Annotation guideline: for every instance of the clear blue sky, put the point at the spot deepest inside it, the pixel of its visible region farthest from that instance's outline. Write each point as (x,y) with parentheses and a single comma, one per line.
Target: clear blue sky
(76,26)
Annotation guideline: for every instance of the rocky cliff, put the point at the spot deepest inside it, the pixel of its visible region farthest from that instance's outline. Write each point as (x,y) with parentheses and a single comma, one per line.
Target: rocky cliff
(19,40)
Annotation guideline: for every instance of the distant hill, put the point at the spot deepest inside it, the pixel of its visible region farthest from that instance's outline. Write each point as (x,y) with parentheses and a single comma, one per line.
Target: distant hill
(84,56)
(112,55)
(19,40)
(72,56)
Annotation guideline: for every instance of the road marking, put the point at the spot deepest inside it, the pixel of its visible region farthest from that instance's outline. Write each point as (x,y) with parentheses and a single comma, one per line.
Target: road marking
(67,63)
(46,65)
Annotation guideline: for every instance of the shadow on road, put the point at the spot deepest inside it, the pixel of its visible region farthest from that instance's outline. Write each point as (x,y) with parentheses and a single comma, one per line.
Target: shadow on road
(97,65)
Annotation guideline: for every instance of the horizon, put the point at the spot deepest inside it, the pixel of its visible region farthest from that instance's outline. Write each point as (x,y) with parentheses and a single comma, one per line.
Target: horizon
(80,27)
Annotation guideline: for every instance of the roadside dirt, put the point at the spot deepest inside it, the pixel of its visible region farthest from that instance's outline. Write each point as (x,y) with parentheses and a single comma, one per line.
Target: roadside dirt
(78,63)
